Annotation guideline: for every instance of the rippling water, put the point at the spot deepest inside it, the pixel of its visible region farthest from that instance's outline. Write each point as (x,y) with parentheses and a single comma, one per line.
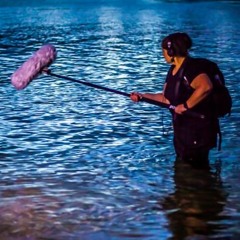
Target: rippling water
(81,163)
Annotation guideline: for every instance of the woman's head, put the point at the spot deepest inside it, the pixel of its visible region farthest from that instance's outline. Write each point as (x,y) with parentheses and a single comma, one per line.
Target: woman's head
(177,44)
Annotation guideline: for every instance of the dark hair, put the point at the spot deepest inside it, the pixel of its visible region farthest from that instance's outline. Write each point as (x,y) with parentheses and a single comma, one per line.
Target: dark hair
(177,44)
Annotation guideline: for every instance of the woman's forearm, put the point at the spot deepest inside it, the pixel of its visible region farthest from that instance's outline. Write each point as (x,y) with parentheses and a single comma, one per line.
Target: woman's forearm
(156,97)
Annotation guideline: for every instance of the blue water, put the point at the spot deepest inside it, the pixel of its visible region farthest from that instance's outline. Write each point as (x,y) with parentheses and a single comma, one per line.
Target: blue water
(81,163)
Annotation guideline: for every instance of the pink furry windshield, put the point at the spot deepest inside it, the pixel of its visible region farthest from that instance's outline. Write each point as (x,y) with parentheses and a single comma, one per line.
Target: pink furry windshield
(33,66)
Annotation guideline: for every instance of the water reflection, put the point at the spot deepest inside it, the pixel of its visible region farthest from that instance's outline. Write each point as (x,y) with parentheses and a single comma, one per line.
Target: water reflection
(23,213)
(194,208)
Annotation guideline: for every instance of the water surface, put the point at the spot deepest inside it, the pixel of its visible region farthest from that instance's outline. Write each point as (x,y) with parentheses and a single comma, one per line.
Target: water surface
(81,163)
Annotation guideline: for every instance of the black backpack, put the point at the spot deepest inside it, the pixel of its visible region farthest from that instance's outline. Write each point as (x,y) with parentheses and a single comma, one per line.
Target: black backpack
(221,98)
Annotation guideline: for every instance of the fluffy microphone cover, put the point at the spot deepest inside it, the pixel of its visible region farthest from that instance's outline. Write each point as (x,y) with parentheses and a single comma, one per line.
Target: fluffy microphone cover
(33,66)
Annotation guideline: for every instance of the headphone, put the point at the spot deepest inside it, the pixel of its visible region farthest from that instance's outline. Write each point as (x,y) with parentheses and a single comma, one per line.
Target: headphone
(177,44)
(170,49)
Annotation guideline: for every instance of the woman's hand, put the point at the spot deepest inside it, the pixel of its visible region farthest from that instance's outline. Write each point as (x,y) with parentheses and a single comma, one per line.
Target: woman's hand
(135,96)
(180,109)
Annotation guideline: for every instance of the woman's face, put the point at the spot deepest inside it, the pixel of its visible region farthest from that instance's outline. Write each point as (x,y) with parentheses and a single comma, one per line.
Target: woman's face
(168,59)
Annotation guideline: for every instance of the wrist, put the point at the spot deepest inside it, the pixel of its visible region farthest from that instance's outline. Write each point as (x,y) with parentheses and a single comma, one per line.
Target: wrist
(185,105)
(139,97)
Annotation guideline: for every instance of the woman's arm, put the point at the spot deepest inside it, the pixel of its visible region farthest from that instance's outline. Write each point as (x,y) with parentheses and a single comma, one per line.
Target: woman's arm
(202,86)
(159,97)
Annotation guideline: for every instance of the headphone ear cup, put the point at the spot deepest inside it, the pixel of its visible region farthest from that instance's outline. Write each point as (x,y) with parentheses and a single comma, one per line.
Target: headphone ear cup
(170,52)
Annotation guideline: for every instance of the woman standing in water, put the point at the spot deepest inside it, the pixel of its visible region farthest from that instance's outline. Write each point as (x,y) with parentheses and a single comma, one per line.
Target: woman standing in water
(187,86)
